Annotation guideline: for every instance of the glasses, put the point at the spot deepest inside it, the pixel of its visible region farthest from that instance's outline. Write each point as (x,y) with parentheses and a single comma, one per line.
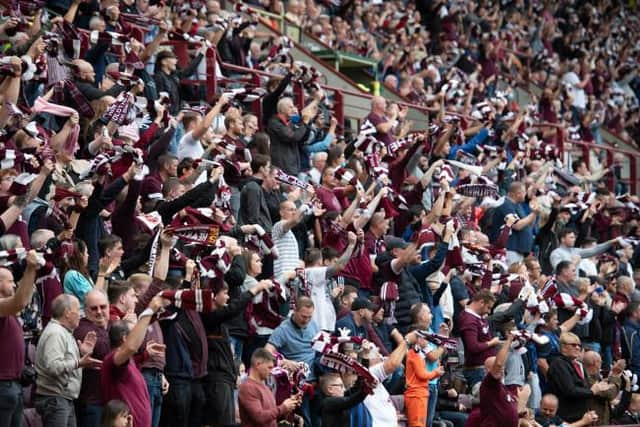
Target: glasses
(97,307)
(573,344)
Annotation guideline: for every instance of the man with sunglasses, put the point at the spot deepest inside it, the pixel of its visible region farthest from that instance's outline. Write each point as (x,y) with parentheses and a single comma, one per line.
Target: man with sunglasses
(568,380)
(89,403)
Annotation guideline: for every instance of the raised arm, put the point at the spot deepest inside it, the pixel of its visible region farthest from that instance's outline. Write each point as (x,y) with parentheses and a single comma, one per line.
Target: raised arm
(134,339)
(211,115)
(337,266)
(12,305)
(497,370)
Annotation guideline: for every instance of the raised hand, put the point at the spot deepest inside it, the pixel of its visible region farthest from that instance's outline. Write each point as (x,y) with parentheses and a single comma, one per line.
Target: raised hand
(155,349)
(89,362)
(87,345)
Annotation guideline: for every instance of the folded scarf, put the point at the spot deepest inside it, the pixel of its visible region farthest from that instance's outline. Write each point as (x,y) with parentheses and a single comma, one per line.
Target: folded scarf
(43,106)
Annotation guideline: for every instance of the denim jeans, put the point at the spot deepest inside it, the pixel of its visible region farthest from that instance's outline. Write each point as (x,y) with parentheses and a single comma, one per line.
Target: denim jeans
(459,419)
(536,392)
(237,345)
(153,378)
(473,376)
(88,415)
(235,201)
(11,404)
(431,403)
(55,411)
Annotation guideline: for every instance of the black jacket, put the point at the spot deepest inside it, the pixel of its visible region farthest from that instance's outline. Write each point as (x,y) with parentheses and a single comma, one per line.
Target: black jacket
(253,204)
(221,365)
(412,288)
(572,391)
(335,410)
(286,140)
(170,83)
(270,100)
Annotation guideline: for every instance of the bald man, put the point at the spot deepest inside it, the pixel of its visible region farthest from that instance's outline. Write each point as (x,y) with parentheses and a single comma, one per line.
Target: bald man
(592,363)
(89,403)
(285,241)
(84,77)
(288,131)
(498,406)
(383,123)
(12,350)
(520,240)
(547,415)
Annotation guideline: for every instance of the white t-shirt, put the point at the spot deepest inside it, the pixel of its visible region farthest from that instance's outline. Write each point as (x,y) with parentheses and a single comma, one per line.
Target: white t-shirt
(578,95)
(379,404)
(190,147)
(324,313)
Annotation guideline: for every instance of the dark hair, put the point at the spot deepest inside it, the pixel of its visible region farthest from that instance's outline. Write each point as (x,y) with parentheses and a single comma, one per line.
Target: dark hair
(117,289)
(117,331)
(576,165)
(258,161)
(632,308)
(166,158)
(348,289)
(562,266)
(565,231)
(312,256)
(75,260)
(415,211)
(549,315)
(186,163)
(329,253)
(262,355)
(260,143)
(108,242)
(111,411)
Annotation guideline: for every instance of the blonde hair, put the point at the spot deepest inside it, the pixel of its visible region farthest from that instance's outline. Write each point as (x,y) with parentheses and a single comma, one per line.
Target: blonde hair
(139,279)
(568,336)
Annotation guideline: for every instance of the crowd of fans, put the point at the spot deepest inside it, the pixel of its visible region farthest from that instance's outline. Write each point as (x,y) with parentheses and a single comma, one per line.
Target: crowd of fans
(168,262)
(583,54)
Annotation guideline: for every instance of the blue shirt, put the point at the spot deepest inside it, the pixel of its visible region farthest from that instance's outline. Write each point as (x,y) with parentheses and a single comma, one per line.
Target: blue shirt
(354,330)
(431,366)
(294,342)
(520,241)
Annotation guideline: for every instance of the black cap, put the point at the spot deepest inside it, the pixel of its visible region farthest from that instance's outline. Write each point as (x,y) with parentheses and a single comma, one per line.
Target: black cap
(361,303)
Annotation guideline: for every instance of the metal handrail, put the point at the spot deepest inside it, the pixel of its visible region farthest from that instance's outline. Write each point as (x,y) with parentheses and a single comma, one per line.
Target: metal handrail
(339,104)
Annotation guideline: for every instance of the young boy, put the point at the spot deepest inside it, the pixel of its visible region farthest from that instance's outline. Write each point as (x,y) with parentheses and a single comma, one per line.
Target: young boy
(416,394)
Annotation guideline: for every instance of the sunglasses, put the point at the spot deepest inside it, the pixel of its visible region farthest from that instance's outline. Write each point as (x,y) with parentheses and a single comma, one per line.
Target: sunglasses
(573,344)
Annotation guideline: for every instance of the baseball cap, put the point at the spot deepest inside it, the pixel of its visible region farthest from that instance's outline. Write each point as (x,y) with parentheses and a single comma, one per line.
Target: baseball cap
(361,303)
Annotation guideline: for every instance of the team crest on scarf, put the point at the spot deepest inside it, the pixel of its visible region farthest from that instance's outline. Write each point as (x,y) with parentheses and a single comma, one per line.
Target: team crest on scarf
(199,234)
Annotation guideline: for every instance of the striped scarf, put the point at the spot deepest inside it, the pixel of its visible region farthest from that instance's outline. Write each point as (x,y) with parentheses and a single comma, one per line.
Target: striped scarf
(82,104)
(281,176)
(118,112)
